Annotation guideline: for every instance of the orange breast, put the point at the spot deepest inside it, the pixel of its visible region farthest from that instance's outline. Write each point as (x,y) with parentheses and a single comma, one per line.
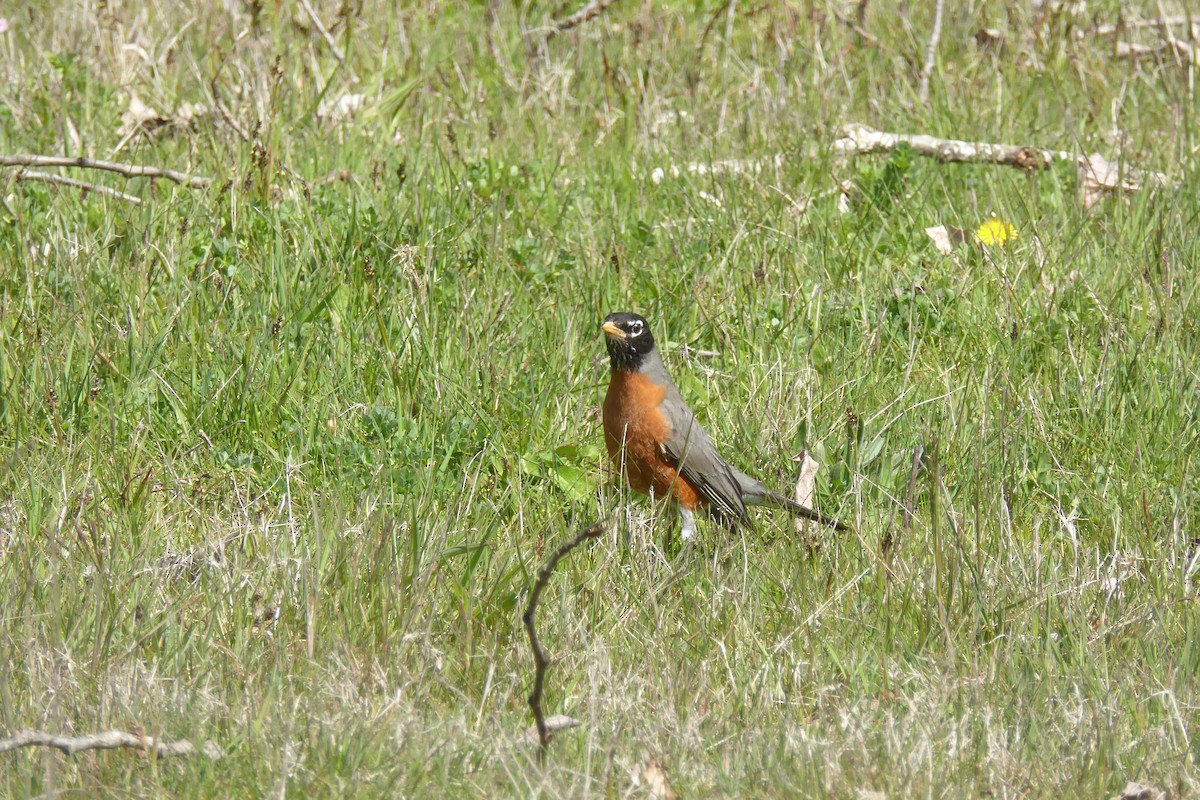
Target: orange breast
(634,430)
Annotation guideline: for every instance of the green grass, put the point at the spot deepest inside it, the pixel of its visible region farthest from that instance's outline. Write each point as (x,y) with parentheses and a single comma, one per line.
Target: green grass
(371,403)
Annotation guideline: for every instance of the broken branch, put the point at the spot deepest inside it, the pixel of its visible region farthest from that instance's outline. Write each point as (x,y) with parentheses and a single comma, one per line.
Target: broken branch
(1180,48)
(224,110)
(329,40)
(1096,175)
(593,9)
(540,662)
(860,139)
(109,740)
(1133,24)
(47,177)
(128,170)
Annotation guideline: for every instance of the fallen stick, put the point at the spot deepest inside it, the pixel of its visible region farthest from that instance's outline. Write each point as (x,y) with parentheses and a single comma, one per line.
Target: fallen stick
(128,170)
(1133,24)
(224,110)
(48,177)
(593,9)
(1179,47)
(329,40)
(1097,176)
(860,139)
(856,27)
(540,662)
(109,740)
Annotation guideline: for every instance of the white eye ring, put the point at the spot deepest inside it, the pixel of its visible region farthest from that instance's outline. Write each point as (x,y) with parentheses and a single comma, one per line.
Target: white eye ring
(635,328)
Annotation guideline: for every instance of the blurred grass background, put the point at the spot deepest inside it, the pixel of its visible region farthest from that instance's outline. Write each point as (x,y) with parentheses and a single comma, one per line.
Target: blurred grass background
(281,455)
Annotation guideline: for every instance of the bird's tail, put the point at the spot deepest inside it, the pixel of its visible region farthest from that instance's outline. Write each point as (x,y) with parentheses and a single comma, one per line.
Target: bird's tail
(776,499)
(755,494)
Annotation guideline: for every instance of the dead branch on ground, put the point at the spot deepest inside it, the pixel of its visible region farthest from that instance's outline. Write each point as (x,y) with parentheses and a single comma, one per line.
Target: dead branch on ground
(127,170)
(1097,176)
(1183,51)
(856,27)
(329,40)
(540,662)
(590,11)
(108,740)
(536,38)
(1133,24)
(1178,47)
(860,140)
(223,109)
(240,130)
(48,177)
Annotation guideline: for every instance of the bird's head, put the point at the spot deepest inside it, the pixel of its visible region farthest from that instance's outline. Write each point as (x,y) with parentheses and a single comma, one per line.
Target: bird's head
(628,339)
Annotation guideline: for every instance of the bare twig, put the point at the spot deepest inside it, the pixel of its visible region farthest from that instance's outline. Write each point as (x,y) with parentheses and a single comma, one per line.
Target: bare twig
(224,110)
(48,177)
(240,130)
(536,38)
(856,26)
(128,170)
(593,9)
(329,40)
(109,740)
(721,9)
(860,139)
(540,662)
(931,51)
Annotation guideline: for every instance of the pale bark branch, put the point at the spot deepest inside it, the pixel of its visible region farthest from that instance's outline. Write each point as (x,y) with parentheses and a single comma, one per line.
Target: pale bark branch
(329,40)
(224,110)
(1133,24)
(1178,47)
(593,9)
(1097,176)
(48,177)
(859,140)
(108,740)
(931,51)
(128,170)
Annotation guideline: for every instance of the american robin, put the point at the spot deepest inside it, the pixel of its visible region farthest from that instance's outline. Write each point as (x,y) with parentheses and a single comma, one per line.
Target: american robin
(655,441)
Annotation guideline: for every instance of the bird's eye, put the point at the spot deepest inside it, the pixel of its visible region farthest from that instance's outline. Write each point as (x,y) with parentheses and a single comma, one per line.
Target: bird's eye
(635,328)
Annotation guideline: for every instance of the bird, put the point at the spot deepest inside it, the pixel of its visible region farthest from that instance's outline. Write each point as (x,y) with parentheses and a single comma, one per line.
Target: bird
(655,441)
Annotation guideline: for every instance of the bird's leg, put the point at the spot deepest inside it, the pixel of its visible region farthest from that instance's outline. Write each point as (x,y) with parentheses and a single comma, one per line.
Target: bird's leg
(689,524)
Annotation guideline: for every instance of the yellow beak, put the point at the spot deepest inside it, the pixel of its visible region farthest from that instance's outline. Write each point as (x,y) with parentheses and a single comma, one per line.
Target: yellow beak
(611,329)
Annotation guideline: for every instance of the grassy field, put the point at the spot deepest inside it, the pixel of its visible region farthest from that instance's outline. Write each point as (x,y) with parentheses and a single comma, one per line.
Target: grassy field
(281,455)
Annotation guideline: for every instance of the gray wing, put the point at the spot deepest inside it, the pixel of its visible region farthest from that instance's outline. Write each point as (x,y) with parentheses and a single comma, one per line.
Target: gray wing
(696,458)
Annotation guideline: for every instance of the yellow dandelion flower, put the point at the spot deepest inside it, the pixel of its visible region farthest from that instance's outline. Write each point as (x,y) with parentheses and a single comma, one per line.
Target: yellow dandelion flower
(995,232)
